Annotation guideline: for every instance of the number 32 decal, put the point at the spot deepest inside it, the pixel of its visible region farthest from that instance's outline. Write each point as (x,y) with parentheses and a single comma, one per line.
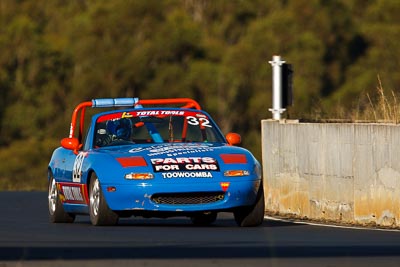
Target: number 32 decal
(204,122)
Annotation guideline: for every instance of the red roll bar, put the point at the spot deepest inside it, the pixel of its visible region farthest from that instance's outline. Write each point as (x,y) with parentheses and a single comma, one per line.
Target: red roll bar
(119,102)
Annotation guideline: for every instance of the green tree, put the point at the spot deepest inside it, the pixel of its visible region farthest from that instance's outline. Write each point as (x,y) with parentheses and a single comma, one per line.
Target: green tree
(380,28)
(59,53)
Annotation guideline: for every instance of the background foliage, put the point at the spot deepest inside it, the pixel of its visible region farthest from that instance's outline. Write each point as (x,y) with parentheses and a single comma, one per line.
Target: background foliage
(55,54)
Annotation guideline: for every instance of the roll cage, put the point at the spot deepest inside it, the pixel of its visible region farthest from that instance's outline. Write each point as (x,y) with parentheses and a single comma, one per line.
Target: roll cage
(75,143)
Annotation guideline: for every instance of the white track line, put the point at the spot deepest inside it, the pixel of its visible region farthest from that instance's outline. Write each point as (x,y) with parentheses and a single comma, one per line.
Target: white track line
(330,225)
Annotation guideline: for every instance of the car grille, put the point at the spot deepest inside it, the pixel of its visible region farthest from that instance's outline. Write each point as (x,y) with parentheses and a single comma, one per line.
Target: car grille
(188,198)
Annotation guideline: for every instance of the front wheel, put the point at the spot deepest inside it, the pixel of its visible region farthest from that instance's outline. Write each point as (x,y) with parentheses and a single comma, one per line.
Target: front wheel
(56,210)
(252,215)
(100,213)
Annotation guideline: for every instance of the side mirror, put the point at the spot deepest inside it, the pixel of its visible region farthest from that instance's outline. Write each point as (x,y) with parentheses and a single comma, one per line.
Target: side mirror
(233,139)
(71,143)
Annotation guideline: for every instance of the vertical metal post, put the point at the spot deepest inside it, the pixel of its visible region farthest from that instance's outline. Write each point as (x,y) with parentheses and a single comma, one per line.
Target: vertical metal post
(276,87)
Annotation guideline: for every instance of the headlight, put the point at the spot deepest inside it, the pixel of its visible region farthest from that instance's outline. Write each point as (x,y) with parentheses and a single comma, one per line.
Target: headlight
(234,173)
(139,176)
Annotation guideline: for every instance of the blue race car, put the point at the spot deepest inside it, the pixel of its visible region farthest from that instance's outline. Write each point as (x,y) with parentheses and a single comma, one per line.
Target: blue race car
(152,158)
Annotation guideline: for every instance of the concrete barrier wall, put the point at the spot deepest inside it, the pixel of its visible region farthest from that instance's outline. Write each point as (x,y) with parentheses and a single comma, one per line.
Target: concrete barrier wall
(333,171)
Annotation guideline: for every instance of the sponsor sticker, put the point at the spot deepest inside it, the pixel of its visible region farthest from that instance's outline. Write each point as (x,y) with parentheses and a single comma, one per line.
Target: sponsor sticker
(160,113)
(174,150)
(73,193)
(184,164)
(169,175)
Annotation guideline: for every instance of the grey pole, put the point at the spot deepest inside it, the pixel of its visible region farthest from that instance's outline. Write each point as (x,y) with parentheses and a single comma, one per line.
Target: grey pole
(276,109)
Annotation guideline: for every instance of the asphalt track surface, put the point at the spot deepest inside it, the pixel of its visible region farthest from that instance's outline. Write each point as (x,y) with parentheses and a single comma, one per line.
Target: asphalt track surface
(27,238)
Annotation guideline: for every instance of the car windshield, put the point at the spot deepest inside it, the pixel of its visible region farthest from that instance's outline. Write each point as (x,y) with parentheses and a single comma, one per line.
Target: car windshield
(154,126)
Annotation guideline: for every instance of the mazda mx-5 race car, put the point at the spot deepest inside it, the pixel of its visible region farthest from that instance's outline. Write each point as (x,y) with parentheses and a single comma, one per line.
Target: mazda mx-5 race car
(152,158)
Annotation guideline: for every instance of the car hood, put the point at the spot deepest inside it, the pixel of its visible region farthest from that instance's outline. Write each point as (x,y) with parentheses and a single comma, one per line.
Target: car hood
(183,152)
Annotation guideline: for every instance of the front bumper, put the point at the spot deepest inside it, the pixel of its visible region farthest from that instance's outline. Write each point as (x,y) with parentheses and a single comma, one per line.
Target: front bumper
(142,196)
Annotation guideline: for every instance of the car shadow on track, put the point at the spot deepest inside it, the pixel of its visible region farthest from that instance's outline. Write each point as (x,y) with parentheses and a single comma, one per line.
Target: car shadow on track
(227,220)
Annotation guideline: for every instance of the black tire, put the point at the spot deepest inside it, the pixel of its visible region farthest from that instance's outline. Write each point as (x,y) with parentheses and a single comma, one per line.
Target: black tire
(252,215)
(56,210)
(204,219)
(100,213)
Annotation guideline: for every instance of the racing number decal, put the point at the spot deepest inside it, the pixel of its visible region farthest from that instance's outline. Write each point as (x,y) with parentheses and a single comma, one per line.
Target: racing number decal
(196,121)
(77,169)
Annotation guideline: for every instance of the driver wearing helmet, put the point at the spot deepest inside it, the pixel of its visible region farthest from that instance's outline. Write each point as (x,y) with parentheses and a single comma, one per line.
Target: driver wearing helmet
(120,129)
